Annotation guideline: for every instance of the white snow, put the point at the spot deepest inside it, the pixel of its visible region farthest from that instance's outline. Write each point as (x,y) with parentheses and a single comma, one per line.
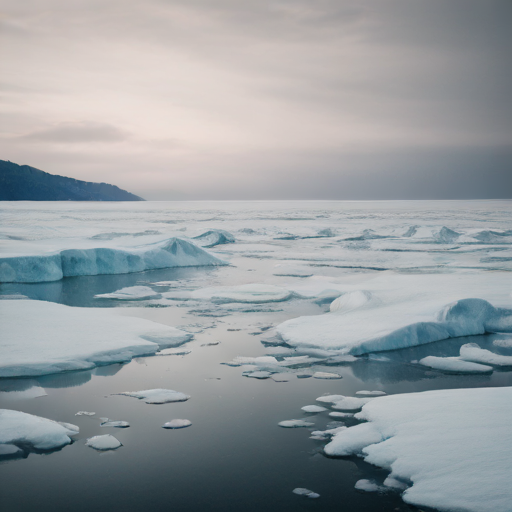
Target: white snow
(103,443)
(40,338)
(157,396)
(454,445)
(454,365)
(131,293)
(295,424)
(473,352)
(178,423)
(393,311)
(19,428)
(313,408)
(89,259)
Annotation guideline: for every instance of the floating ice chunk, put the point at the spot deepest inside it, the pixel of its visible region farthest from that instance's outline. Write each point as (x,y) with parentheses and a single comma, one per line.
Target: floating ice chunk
(305,492)
(330,398)
(304,375)
(85,413)
(439,440)
(92,261)
(103,443)
(257,375)
(177,424)
(39,433)
(313,408)
(504,343)
(214,237)
(472,352)
(105,422)
(351,403)
(454,365)
(326,375)
(157,396)
(336,414)
(258,361)
(326,434)
(343,359)
(394,483)
(370,393)
(245,293)
(173,352)
(368,486)
(131,293)
(295,424)
(82,338)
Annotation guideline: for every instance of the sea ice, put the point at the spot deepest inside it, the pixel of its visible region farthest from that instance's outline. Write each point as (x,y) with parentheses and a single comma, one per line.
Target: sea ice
(396,311)
(85,413)
(295,424)
(131,293)
(105,422)
(305,492)
(257,375)
(351,403)
(326,434)
(214,237)
(454,365)
(368,486)
(244,293)
(336,414)
(177,424)
(40,338)
(103,443)
(370,393)
(313,408)
(19,428)
(290,271)
(326,375)
(157,396)
(472,352)
(453,445)
(330,398)
(88,260)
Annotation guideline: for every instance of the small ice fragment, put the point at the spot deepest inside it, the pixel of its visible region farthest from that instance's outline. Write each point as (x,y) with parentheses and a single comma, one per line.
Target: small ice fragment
(295,424)
(131,293)
(454,365)
(157,396)
(177,424)
(105,422)
(304,375)
(258,375)
(103,443)
(305,492)
(393,483)
(336,414)
(173,352)
(472,352)
(85,413)
(367,486)
(313,408)
(211,344)
(281,377)
(370,393)
(504,343)
(326,375)
(351,403)
(330,398)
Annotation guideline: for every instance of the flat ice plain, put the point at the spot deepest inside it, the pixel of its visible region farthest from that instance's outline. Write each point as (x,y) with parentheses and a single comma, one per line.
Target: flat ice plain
(311,300)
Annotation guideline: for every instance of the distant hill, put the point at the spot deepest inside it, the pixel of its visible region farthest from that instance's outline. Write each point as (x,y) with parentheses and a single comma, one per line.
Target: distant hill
(25,183)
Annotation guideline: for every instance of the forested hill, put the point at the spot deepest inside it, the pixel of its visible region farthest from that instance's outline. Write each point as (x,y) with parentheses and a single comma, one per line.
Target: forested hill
(25,183)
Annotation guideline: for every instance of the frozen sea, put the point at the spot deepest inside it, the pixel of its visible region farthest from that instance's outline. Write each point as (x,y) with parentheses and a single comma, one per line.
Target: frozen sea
(285,261)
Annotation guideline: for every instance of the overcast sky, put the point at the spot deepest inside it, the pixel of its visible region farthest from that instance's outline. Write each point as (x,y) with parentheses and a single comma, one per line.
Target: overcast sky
(256,99)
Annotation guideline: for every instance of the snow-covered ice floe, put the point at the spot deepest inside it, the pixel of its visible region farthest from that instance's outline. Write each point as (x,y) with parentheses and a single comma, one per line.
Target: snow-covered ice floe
(454,365)
(105,422)
(301,491)
(396,311)
(368,486)
(103,443)
(40,338)
(178,423)
(131,293)
(87,260)
(313,408)
(295,424)
(472,352)
(33,432)
(455,446)
(157,396)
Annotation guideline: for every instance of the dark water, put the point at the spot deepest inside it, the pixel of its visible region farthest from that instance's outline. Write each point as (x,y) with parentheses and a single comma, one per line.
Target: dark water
(234,456)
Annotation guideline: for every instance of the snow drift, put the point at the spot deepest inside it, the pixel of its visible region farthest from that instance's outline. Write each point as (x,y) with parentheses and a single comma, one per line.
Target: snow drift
(173,252)
(452,446)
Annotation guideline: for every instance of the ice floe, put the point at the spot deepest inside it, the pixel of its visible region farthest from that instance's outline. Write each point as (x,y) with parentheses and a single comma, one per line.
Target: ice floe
(368,486)
(131,293)
(330,398)
(157,396)
(313,408)
(454,365)
(105,422)
(327,434)
(90,261)
(214,237)
(370,393)
(351,403)
(261,374)
(40,338)
(326,375)
(178,423)
(301,491)
(295,424)
(26,430)
(453,445)
(473,352)
(103,443)
(85,413)
(397,311)
(336,414)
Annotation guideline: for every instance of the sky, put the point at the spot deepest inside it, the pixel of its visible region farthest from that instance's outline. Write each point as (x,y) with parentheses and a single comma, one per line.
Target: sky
(256,99)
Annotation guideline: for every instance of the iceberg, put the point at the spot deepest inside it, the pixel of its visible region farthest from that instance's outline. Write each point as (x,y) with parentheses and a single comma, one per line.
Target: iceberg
(92,261)
(103,443)
(451,446)
(157,396)
(27,431)
(40,338)
(397,311)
